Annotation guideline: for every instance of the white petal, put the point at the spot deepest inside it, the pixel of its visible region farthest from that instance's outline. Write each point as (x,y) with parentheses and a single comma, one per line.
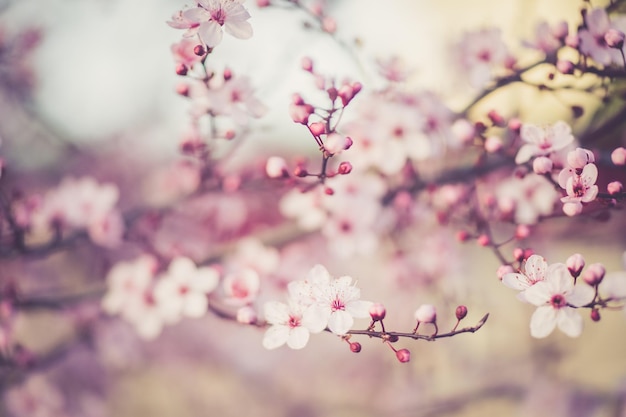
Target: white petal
(359,308)
(205,280)
(195,305)
(275,312)
(211,33)
(298,338)
(580,295)
(238,29)
(315,318)
(318,275)
(340,322)
(515,281)
(543,321)
(570,321)
(275,337)
(526,152)
(538,294)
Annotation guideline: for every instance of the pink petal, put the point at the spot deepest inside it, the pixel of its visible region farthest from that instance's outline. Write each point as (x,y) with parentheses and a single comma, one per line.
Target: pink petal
(515,281)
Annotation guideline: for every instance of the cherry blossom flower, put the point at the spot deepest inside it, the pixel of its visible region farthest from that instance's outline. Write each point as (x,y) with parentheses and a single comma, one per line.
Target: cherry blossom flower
(36,397)
(580,189)
(526,199)
(183,290)
(183,52)
(535,270)
(556,298)
(210,16)
(592,41)
(291,324)
(480,53)
(241,286)
(337,301)
(548,39)
(543,141)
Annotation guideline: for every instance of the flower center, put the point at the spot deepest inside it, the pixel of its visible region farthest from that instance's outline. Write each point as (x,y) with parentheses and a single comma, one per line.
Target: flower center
(294,321)
(219,16)
(337,304)
(558,301)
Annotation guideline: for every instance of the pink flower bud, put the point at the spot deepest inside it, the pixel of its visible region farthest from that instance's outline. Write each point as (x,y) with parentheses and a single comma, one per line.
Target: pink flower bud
(329,191)
(426,313)
(542,165)
(181,69)
(377,311)
(575,264)
(300,112)
(246,315)
(344,168)
(518,254)
(503,270)
(199,50)
(461,312)
(300,172)
(580,157)
(276,167)
(462,236)
(614,38)
(182,89)
(614,187)
(262,3)
(403,355)
(317,128)
(515,124)
(355,347)
(565,67)
(522,231)
(595,314)
(349,143)
(593,274)
(483,240)
(329,25)
(334,143)
(463,130)
(618,156)
(228,74)
(496,118)
(572,209)
(307,64)
(572,41)
(493,144)
(560,30)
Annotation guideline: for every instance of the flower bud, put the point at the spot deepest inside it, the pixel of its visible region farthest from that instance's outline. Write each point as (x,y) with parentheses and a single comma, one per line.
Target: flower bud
(307,64)
(518,254)
(503,270)
(462,236)
(300,172)
(344,168)
(377,311)
(542,165)
(560,30)
(461,312)
(572,41)
(493,144)
(349,143)
(515,124)
(182,89)
(565,67)
(463,130)
(334,143)
(199,50)
(594,273)
(522,231)
(181,69)
(496,118)
(403,355)
(614,38)
(614,187)
(580,157)
(575,264)
(355,347)
(276,167)
(317,128)
(618,156)
(483,240)
(246,315)
(426,313)
(595,314)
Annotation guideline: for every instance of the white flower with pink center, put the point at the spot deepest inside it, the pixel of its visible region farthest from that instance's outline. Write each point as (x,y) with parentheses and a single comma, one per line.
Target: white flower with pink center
(541,141)
(556,298)
(535,270)
(290,324)
(592,41)
(526,199)
(241,286)
(208,19)
(337,301)
(580,189)
(480,53)
(183,290)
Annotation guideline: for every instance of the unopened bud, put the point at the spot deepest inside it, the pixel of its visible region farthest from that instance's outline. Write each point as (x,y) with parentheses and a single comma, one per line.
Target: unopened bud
(518,254)
(199,50)
(344,168)
(580,157)
(307,64)
(181,69)
(377,311)
(522,231)
(246,315)
(503,270)
(496,118)
(355,347)
(614,187)
(228,74)
(565,67)
(317,128)
(461,312)
(462,235)
(594,273)
(426,313)
(595,314)
(542,165)
(618,156)
(493,144)
(182,89)
(300,172)
(614,38)
(575,264)
(403,355)
(572,41)
(329,191)
(276,167)
(483,240)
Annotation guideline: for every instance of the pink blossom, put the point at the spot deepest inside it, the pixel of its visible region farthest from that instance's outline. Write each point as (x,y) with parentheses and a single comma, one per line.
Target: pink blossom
(276,167)
(536,269)
(527,199)
(182,291)
(592,37)
(290,324)
(480,53)
(35,397)
(183,52)
(337,301)
(393,69)
(426,313)
(581,188)
(207,19)
(618,156)
(241,286)
(548,39)
(555,298)
(543,141)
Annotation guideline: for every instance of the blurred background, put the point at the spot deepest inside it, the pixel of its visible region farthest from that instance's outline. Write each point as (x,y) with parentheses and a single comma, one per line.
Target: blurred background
(104,74)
